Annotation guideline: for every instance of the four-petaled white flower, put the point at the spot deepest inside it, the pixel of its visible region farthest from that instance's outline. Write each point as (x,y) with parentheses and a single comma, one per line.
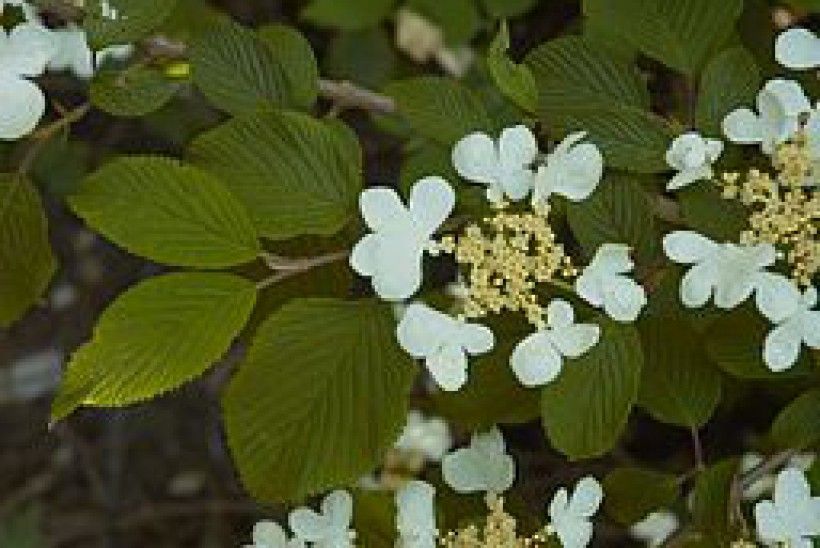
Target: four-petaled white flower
(24,53)
(443,342)
(798,49)
(391,255)
(603,284)
(416,515)
(728,271)
(269,534)
(655,528)
(505,167)
(538,358)
(793,517)
(780,105)
(573,170)
(484,466)
(428,437)
(795,321)
(570,516)
(692,156)
(328,529)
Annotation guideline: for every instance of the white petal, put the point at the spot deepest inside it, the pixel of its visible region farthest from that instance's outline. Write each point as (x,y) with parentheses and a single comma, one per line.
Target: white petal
(559,314)
(776,296)
(269,533)
(381,207)
(687,247)
(782,346)
(398,266)
(415,509)
(679,154)
(770,526)
(364,256)
(575,340)
(517,147)
(476,159)
(697,285)
(431,201)
(587,497)
(581,172)
(489,443)
(419,331)
(337,507)
(307,524)
(574,532)
(743,126)
(623,299)
(733,288)
(588,286)
(790,95)
(714,148)
(612,259)
(516,182)
(689,176)
(22,104)
(558,505)
(811,328)
(29,48)
(535,360)
(72,52)
(798,49)
(475,339)
(448,367)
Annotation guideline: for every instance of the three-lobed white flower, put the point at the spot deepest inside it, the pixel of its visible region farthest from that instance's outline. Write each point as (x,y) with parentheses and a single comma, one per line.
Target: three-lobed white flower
(443,342)
(428,437)
(538,359)
(728,271)
(483,466)
(573,170)
(780,105)
(655,528)
(692,156)
(269,534)
(798,49)
(604,284)
(570,516)
(505,166)
(328,529)
(24,53)
(795,321)
(793,517)
(391,255)
(416,515)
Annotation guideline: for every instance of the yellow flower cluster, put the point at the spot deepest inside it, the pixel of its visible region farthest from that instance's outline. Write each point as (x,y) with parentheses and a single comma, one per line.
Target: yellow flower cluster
(498,531)
(506,256)
(784,212)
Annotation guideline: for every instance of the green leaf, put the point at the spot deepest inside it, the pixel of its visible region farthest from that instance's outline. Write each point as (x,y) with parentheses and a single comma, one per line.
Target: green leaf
(439,108)
(459,19)
(155,337)
(586,409)
(26,261)
(680,34)
(730,80)
(513,80)
(584,88)
(633,493)
(296,175)
(374,518)
(319,400)
(710,502)
(124,21)
(366,57)
(617,212)
(501,9)
(239,71)
(348,15)
(706,211)
(798,425)
(136,91)
(170,213)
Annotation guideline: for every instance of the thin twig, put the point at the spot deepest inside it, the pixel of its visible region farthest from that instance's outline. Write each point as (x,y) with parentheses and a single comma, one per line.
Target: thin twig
(43,135)
(345,95)
(697,447)
(284,269)
(743,481)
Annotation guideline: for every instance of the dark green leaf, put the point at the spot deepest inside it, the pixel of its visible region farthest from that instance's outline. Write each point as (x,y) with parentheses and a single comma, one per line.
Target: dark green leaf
(798,425)
(124,21)
(706,211)
(136,91)
(459,19)
(632,493)
(347,15)
(295,59)
(508,8)
(730,80)
(514,80)
(366,57)
(710,502)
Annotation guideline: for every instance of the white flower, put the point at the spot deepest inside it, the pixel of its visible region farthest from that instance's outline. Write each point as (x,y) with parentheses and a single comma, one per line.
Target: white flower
(73,53)
(793,518)
(392,254)
(429,437)
(795,321)
(328,529)
(798,49)
(269,534)
(484,466)
(443,342)
(416,516)
(729,271)
(655,528)
(570,516)
(538,358)
(780,105)
(24,53)
(765,485)
(692,156)
(603,284)
(504,167)
(573,170)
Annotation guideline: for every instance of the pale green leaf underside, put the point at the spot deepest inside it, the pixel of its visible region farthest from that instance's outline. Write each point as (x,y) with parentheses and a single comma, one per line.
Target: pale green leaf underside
(320,398)
(167,212)
(155,337)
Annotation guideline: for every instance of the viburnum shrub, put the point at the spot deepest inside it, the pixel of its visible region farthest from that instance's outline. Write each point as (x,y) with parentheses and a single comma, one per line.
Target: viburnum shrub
(621,227)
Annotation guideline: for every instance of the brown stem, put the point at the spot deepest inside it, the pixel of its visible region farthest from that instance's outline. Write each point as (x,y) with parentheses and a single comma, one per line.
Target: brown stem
(43,135)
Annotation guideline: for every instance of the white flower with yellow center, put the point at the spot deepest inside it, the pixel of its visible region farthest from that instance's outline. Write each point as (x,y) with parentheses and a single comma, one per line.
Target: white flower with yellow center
(604,284)
(793,517)
(538,359)
(328,529)
(391,255)
(798,49)
(269,534)
(484,466)
(692,156)
(795,322)
(443,342)
(729,272)
(416,515)
(505,167)
(428,437)
(780,105)
(570,516)
(573,170)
